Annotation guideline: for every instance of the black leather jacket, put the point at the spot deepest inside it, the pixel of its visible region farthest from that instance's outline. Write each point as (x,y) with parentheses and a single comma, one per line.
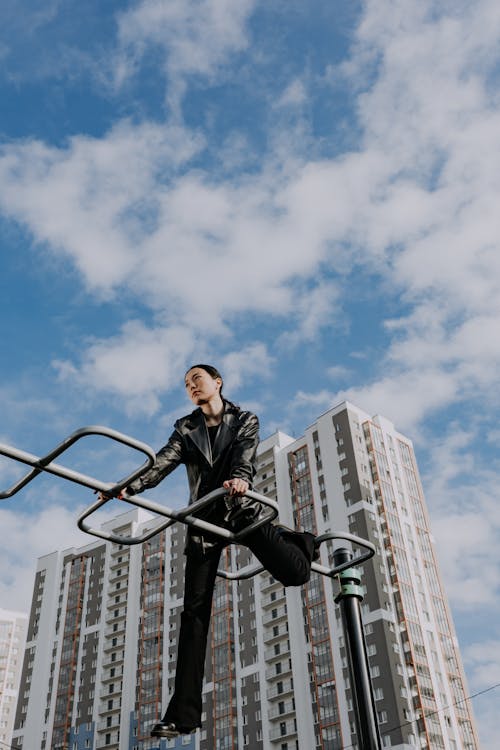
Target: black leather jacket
(233,455)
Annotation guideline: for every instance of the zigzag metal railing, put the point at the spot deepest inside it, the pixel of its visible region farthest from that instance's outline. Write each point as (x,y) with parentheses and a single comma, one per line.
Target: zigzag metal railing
(167,516)
(184,515)
(46,462)
(252,570)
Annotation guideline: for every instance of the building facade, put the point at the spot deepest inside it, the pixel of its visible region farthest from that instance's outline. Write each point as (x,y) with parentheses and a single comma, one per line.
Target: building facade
(100,656)
(12,640)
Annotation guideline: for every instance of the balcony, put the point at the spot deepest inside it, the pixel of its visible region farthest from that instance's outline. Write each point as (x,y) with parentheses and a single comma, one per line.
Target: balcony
(108,662)
(271,655)
(269,583)
(117,707)
(277,733)
(275,615)
(119,642)
(122,613)
(270,635)
(286,690)
(286,669)
(108,677)
(105,695)
(273,599)
(103,726)
(112,745)
(118,572)
(287,708)
(111,631)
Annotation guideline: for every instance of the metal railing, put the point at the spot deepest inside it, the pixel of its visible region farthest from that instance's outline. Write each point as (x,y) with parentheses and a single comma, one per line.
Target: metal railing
(46,464)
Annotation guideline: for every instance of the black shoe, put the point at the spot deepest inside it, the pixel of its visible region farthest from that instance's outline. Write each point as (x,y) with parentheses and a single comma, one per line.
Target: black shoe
(169,730)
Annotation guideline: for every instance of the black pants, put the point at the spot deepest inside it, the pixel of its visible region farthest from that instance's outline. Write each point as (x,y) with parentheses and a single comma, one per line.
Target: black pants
(286,555)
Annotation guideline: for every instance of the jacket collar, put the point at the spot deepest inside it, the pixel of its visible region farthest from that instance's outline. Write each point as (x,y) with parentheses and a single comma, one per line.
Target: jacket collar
(194,427)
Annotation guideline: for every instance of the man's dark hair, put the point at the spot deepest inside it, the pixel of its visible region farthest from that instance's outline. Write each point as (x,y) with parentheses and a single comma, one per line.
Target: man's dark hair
(212,371)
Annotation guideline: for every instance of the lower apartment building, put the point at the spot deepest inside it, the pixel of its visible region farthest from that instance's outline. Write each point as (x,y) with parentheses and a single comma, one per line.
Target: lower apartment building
(100,656)
(12,639)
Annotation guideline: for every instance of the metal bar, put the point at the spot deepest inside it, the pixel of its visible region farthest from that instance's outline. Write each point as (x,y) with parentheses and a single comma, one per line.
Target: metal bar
(45,464)
(184,515)
(253,569)
(340,566)
(349,600)
(242,575)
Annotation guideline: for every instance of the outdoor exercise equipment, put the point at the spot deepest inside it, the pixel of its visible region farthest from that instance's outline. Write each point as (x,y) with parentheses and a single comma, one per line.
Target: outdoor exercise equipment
(348,599)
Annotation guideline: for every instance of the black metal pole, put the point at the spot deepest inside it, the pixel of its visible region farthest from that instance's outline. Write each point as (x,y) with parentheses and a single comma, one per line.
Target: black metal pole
(364,705)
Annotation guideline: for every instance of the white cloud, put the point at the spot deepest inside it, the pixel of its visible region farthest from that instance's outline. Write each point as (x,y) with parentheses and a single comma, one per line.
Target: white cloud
(136,365)
(425,218)
(339,372)
(315,308)
(482,661)
(294,95)
(467,551)
(25,537)
(406,398)
(465,517)
(242,364)
(86,200)
(416,205)
(196,37)
(318,401)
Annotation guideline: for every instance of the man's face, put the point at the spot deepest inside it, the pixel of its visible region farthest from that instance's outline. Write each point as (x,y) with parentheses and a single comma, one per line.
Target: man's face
(200,386)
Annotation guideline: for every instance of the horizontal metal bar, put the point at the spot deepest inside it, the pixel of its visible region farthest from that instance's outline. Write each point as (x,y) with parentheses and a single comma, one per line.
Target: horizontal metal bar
(242,575)
(184,515)
(46,464)
(332,572)
(253,569)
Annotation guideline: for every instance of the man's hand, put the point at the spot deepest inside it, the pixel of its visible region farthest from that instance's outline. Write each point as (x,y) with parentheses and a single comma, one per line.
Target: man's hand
(236,486)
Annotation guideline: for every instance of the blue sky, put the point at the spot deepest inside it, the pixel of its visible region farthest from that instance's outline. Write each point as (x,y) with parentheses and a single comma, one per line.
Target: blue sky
(305,194)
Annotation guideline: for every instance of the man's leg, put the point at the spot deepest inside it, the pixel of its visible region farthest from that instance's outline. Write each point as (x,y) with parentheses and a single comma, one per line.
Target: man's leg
(184,709)
(287,555)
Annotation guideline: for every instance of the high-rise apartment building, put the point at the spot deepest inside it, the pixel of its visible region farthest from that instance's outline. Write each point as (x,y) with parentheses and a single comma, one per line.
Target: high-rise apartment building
(100,656)
(12,640)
